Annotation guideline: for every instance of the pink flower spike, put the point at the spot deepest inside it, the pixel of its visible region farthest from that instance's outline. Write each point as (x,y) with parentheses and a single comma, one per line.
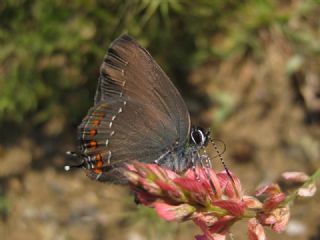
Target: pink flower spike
(255,230)
(173,213)
(295,176)
(307,191)
(214,202)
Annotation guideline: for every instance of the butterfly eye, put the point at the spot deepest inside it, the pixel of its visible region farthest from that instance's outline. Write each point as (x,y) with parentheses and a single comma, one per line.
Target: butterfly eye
(198,137)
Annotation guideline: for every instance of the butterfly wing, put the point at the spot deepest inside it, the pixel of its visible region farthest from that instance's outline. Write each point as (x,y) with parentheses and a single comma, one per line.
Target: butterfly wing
(138,113)
(129,70)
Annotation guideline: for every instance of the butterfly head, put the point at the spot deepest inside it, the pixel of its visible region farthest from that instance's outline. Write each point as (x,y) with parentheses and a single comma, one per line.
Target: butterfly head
(199,137)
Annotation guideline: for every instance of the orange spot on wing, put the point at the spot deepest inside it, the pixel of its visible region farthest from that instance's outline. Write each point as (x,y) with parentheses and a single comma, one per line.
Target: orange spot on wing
(92,132)
(93,144)
(99,161)
(99,157)
(99,164)
(95,122)
(97,170)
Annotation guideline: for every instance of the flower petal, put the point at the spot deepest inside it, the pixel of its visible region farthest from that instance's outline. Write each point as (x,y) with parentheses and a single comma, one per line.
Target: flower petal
(273,201)
(282,215)
(268,190)
(173,213)
(222,226)
(277,219)
(166,186)
(308,191)
(266,219)
(255,230)
(144,198)
(131,176)
(150,186)
(171,190)
(252,202)
(207,177)
(234,207)
(295,176)
(204,221)
(130,167)
(227,184)
(193,189)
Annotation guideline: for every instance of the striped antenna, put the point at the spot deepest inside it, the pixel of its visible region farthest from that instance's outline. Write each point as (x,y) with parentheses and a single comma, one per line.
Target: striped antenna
(224,165)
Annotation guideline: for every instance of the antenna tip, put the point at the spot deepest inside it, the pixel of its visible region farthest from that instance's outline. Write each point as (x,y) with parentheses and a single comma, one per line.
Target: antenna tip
(66,168)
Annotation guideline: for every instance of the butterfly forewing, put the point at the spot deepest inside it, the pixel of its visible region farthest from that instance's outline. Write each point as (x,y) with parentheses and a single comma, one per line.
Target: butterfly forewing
(138,113)
(129,70)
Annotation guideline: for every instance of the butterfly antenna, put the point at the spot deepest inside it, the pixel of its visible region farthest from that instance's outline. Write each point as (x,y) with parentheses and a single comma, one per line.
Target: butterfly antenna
(223,163)
(221,152)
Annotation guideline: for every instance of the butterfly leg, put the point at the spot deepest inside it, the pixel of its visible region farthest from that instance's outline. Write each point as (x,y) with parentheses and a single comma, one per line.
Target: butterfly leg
(162,156)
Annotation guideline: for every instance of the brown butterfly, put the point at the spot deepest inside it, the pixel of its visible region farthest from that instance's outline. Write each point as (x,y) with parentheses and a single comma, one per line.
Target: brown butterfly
(138,114)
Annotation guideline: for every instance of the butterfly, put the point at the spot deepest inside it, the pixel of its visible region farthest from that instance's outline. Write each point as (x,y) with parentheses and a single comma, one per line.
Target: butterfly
(138,114)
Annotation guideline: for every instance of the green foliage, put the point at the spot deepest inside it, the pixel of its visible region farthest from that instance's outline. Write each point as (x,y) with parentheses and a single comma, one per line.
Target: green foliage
(4,206)
(51,49)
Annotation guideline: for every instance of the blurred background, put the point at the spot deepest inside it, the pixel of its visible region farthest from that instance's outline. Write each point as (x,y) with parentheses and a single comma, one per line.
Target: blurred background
(247,69)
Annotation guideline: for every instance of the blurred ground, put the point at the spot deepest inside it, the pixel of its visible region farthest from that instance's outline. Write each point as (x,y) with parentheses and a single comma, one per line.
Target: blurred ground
(263,104)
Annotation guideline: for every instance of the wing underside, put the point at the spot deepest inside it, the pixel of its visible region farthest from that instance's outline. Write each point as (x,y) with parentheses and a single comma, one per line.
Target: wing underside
(138,113)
